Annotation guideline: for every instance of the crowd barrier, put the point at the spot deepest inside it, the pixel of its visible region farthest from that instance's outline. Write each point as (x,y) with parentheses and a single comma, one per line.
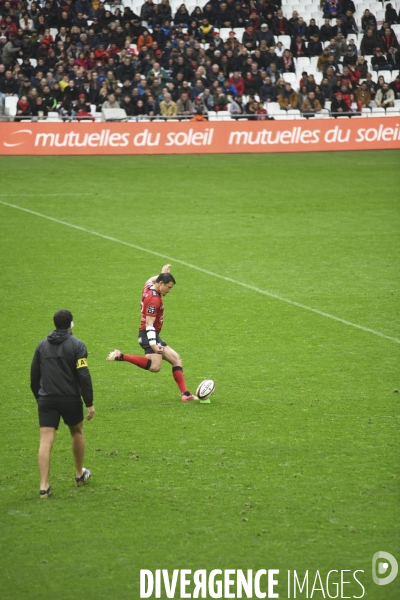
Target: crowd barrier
(199,137)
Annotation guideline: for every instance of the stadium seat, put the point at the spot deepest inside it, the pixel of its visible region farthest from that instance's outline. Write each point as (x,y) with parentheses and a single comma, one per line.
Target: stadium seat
(281,116)
(393,111)
(395,72)
(224,32)
(286,41)
(366,112)
(290,78)
(239,31)
(224,115)
(294,113)
(272,107)
(10,106)
(378,112)
(302,63)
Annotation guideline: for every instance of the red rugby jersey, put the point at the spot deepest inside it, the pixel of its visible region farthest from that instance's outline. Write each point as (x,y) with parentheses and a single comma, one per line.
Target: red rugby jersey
(152,306)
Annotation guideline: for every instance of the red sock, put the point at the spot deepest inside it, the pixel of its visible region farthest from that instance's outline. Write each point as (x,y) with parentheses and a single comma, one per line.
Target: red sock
(139,361)
(177,374)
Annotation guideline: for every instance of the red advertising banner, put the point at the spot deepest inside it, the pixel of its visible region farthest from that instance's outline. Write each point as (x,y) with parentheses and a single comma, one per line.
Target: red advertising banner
(215,137)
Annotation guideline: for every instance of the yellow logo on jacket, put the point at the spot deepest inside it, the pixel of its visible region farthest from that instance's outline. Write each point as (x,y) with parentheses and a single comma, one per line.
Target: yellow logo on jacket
(81,362)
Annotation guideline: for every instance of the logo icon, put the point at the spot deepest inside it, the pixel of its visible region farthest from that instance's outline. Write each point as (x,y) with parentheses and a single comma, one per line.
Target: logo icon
(382,560)
(13,144)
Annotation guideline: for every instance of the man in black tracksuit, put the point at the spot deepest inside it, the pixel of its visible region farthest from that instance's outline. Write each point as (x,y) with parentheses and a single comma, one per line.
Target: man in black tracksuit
(59,377)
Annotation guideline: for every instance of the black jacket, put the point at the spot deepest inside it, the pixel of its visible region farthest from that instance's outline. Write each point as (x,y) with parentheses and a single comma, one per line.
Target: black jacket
(59,368)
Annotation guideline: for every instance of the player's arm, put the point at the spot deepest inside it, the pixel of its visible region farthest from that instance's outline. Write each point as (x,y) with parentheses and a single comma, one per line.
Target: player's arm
(35,374)
(85,380)
(165,269)
(151,335)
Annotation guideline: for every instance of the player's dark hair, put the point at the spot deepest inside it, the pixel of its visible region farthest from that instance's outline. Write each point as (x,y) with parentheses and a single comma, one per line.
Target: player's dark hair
(165,278)
(62,319)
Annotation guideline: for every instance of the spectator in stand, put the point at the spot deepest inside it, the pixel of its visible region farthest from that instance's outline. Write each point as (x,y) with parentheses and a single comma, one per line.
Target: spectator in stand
(303,94)
(208,100)
(385,97)
(66,109)
(319,96)
(288,99)
(184,105)
(261,112)
(280,24)
(298,47)
(111,102)
(127,105)
(265,35)
(388,40)
(267,91)
(338,106)
(292,22)
(182,16)
(220,99)
(326,88)
(168,107)
(368,43)
(332,9)
(313,29)
(379,61)
(349,23)
(206,31)
(198,104)
(301,28)
(323,59)
(147,11)
(199,116)
(237,108)
(310,105)
(39,109)
(363,95)
(251,108)
(368,21)
(238,82)
(23,109)
(249,38)
(393,58)
(390,15)
(395,86)
(326,31)
(287,62)
(341,45)
(144,40)
(314,46)
(339,27)
(239,15)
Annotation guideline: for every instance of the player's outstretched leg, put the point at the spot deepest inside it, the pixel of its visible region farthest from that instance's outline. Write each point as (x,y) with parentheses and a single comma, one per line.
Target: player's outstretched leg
(139,361)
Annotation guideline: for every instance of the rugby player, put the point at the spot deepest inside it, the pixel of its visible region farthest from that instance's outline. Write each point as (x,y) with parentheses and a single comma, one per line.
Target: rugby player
(155,349)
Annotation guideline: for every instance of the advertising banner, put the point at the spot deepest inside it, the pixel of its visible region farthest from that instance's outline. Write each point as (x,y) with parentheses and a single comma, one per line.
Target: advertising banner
(214,137)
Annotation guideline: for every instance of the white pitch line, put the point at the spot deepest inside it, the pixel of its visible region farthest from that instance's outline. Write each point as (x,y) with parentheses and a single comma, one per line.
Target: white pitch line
(186,264)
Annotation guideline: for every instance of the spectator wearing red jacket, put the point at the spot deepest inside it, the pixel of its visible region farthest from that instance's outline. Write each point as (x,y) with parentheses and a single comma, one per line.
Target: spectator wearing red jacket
(238,82)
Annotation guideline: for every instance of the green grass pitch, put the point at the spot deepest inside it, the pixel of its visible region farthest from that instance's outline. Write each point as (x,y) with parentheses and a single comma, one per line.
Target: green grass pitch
(294,464)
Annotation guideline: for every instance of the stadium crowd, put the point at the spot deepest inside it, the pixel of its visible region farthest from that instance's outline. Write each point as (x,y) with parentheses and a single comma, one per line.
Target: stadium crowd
(78,57)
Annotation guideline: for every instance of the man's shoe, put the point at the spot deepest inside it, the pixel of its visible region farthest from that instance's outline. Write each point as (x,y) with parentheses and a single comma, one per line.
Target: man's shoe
(85,476)
(45,493)
(188,398)
(114,355)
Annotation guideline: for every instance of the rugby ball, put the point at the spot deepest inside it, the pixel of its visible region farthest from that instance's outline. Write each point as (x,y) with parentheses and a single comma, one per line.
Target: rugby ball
(205,389)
